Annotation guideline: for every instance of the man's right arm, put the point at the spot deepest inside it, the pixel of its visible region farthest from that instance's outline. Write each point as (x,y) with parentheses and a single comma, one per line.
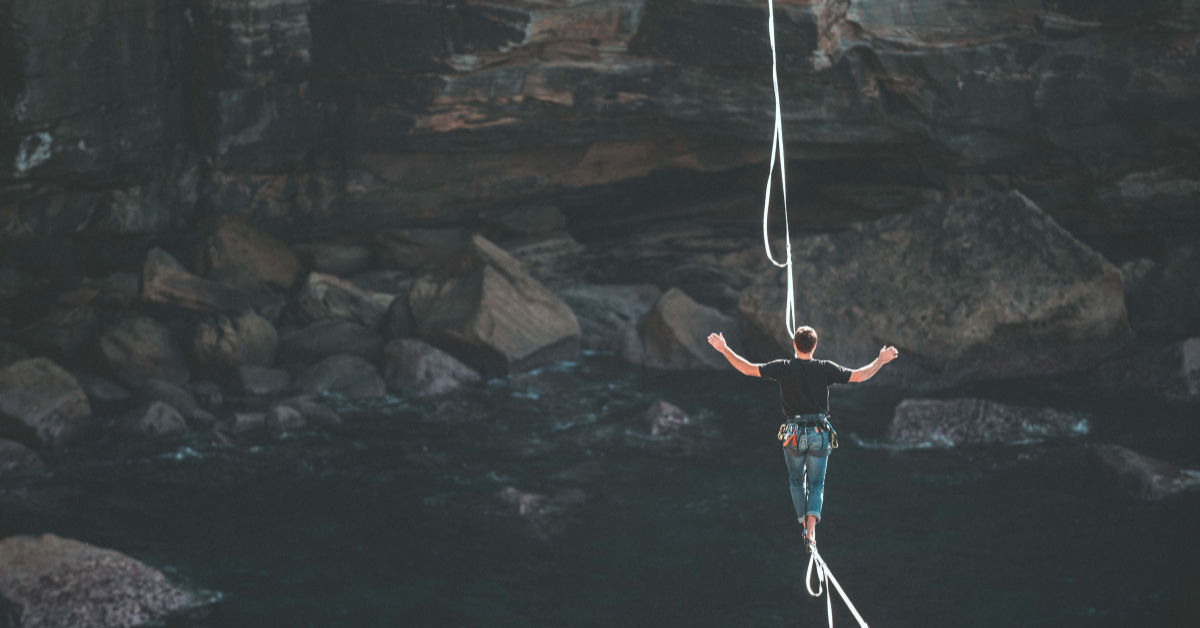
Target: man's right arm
(743,366)
(886,354)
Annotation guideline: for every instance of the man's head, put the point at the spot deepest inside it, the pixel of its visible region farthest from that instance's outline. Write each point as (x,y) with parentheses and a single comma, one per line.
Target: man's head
(805,339)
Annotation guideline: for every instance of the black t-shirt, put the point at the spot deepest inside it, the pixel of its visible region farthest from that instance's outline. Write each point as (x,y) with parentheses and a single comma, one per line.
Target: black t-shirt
(804,384)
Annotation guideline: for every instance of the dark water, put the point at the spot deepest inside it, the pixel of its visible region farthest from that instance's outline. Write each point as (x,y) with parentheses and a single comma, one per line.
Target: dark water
(395,521)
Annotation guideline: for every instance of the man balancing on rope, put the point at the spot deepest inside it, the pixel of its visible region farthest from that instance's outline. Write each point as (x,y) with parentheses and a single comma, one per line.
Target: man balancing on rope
(804,389)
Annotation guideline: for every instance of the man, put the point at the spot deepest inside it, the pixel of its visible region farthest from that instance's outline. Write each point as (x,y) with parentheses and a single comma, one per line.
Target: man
(804,391)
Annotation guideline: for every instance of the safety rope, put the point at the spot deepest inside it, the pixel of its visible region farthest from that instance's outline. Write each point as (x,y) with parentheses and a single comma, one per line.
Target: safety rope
(824,580)
(777,146)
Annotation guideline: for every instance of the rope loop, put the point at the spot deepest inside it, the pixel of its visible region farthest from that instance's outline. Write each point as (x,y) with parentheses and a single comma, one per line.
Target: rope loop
(825,583)
(777,148)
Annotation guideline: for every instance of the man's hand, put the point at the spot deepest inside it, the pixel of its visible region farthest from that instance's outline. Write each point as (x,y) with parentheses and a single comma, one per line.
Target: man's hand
(887,354)
(717,340)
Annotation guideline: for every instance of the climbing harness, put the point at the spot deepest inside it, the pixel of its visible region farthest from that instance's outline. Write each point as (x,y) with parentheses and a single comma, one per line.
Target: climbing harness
(787,431)
(777,146)
(826,581)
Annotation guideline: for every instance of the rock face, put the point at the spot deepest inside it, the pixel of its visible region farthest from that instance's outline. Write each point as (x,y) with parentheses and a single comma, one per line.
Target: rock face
(979,422)
(418,368)
(486,310)
(1167,372)
(38,397)
(326,296)
(971,290)
(165,280)
(607,314)
(347,375)
(51,581)
(674,335)
(1144,476)
(140,348)
(235,253)
(224,343)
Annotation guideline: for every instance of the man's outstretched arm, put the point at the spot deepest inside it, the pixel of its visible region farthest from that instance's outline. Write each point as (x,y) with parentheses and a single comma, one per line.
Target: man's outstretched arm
(886,354)
(744,366)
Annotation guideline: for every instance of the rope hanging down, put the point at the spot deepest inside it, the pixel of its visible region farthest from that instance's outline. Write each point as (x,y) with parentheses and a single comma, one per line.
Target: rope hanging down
(824,581)
(777,146)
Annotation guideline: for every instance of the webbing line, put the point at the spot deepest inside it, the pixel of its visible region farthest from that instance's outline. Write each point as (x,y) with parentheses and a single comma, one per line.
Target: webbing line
(824,580)
(777,146)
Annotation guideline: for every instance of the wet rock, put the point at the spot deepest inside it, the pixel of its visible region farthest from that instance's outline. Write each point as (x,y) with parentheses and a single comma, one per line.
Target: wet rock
(100,389)
(11,353)
(235,253)
(138,348)
(224,342)
(180,399)
(314,412)
(674,335)
(664,428)
(158,419)
(400,322)
(548,516)
(665,418)
(486,310)
(334,258)
(40,399)
(325,296)
(608,313)
(1146,477)
(976,289)
(1169,371)
(243,422)
(262,381)
(118,291)
(17,460)
(324,338)
(52,581)
(64,333)
(415,249)
(953,422)
(347,375)
(165,280)
(207,394)
(1165,303)
(418,368)
(282,419)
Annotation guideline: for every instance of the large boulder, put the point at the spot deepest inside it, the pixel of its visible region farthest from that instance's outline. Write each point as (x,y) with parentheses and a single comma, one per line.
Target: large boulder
(161,391)
(420,369)
(236,253)
(17,460)
(50,581)
(1146,477)
(325,296)
(39,398)
(324,338)
(977,289)
(607,313)
(674,335)
(165,280)
(224,342)
(346,375)
(951,422)
(138,348)
(1164,371)
(485,309)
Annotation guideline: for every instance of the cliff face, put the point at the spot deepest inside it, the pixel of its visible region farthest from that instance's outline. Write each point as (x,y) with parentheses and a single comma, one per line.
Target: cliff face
(135,118)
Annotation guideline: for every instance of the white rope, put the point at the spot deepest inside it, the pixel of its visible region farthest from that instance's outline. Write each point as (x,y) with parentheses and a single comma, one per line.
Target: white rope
(824,580)
(777,145)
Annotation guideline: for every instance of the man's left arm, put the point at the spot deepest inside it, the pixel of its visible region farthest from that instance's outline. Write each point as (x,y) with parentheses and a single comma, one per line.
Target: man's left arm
(886,354)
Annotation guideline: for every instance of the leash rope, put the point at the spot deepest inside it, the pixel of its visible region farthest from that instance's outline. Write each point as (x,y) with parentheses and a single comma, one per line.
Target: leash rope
(825,582)
(777,147)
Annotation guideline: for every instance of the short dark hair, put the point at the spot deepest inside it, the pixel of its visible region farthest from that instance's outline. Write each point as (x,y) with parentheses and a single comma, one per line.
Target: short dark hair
(805,339)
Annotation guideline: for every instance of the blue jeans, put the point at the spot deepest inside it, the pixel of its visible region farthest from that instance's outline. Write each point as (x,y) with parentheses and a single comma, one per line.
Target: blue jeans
(806,471)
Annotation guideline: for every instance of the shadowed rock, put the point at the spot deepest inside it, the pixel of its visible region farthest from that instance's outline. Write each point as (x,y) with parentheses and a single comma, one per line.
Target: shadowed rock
(11,353)
(547,515)
(487,311)
(325,296)
(335,258)
(347,375)
(17,460)
(977,289)
(139,348)
(180,399)
(51,581)
(165,280)
(64,333)
(315,413)
(101,389)
(413,249)
(674,335)
(40,399)
(1164,371)
(327,337)
(954,422)
(607,313)
(282,419)
(235,253)
(420,369)
(224,342)
(1146,477)
(157,420)
(262,380)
